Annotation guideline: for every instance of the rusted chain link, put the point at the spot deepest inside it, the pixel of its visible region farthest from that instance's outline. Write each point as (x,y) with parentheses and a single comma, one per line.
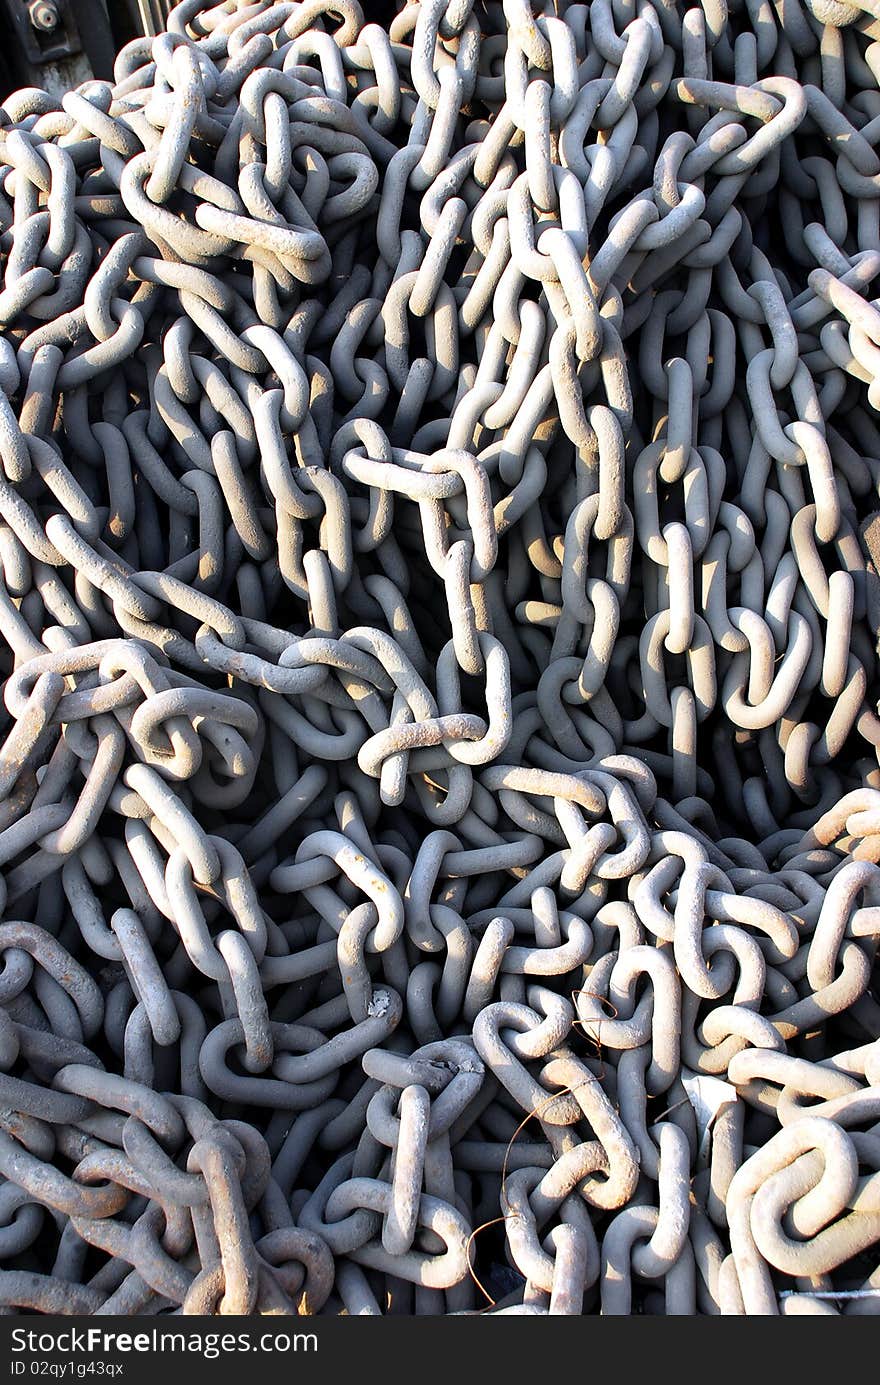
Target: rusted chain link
(439,784)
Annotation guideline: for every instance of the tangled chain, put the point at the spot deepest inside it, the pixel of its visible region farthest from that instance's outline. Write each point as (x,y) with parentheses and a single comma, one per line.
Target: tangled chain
(439,788)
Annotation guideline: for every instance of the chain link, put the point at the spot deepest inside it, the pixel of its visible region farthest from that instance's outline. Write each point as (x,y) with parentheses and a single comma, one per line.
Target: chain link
(440,762)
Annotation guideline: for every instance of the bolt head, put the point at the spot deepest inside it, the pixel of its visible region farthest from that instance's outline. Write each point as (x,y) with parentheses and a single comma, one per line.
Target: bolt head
(43,15)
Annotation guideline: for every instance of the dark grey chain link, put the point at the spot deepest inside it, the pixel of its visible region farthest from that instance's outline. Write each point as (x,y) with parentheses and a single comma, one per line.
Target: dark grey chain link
(439,552)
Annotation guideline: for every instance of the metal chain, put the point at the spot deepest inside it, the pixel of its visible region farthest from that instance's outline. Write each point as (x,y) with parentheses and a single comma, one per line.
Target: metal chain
(439,785)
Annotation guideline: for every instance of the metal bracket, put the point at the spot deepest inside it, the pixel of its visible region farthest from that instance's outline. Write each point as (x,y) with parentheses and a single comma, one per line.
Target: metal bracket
(39,44)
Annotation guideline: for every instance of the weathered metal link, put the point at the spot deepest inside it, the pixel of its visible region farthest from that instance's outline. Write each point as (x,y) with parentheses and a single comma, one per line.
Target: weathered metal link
(439,618)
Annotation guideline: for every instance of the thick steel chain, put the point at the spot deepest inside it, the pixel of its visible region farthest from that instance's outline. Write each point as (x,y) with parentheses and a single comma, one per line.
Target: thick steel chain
(439,785)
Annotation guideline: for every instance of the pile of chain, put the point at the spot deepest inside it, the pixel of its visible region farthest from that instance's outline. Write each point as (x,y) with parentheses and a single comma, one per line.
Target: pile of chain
(439,788)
